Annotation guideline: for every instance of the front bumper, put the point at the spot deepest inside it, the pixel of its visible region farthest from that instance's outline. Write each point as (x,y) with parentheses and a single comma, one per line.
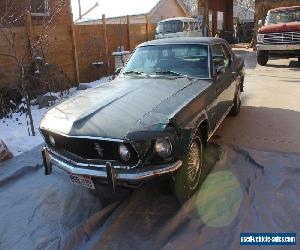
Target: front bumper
(278,47)
(51,158)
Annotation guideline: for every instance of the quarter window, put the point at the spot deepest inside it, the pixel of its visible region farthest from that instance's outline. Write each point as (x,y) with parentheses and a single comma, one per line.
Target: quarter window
(220,57)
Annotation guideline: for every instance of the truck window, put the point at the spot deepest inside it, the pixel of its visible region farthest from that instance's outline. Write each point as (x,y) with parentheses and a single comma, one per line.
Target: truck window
(283,16)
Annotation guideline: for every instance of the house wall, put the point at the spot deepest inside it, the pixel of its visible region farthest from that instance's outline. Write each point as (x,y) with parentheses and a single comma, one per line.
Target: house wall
(58,48)
(166,9)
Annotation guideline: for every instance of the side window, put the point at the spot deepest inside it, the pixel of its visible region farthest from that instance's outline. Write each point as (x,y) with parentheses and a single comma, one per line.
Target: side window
(186,27)
(219,57)
(192,26)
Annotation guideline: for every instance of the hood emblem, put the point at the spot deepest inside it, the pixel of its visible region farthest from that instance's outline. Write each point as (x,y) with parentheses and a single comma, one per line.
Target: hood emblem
(99,150)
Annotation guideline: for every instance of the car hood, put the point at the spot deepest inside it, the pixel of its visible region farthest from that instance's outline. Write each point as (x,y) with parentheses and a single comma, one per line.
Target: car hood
(123,106)
(282,27)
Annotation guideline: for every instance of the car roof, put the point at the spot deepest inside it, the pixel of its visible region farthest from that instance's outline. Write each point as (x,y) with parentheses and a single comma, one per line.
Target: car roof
(184,19)
(286,8)
(183,40)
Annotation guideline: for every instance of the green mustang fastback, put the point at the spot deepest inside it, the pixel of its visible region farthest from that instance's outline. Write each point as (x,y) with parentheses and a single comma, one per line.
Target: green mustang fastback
(153,120)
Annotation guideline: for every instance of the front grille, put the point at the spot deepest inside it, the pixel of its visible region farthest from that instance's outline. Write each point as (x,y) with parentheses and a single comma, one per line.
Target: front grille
(282,38)
(91,149)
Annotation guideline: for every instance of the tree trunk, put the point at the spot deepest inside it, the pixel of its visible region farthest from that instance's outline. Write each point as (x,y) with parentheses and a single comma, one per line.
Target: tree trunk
(28,106)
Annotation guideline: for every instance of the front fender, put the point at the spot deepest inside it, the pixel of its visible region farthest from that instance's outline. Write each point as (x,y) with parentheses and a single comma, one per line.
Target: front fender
(189,131)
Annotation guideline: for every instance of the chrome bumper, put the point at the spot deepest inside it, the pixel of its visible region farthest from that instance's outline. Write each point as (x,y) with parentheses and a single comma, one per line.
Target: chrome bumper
(284,47)
(100,171)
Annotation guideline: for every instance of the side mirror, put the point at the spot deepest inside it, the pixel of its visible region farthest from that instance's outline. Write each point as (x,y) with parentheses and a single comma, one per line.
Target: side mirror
(220,69)
(118,71)
(260,23)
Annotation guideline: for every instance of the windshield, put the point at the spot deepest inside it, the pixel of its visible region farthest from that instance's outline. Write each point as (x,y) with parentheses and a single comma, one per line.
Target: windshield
(286,16)
(181,60)
(169,27)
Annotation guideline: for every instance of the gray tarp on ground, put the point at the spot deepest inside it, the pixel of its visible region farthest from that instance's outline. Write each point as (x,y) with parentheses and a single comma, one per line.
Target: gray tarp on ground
(247,191)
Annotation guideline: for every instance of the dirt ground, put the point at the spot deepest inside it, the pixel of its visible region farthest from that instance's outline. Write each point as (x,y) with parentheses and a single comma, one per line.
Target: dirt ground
(270,116)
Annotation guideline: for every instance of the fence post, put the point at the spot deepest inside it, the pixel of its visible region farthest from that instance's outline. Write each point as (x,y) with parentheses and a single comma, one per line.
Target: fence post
(106,43)
(147,28)
(75,56)
(29,30)
(128,33)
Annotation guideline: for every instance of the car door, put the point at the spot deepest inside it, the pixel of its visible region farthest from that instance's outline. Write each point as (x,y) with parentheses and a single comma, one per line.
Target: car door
(224,80)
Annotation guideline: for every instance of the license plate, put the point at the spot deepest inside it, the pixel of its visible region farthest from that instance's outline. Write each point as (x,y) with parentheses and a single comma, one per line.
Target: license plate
(82,180)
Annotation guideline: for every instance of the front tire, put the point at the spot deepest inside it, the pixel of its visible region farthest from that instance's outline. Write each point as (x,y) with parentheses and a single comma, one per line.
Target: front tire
(187,179)
(262,57)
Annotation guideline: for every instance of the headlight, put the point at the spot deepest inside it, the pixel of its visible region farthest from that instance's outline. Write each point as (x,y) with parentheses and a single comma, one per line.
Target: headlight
(260,38)
(163,148)
(52,140)
(124,152)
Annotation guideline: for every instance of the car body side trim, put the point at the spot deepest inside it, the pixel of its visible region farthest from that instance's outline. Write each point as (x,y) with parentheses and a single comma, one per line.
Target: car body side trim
(219,122)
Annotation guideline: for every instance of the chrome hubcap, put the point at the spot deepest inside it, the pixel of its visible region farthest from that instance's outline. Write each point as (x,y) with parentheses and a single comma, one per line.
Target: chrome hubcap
(193,165)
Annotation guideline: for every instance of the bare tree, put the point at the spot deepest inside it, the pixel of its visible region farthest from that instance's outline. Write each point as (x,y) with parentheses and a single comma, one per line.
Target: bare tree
(24,59)
(191,6)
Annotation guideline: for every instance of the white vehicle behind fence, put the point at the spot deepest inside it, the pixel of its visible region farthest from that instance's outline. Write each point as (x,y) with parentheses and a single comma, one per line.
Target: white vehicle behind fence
(178,27)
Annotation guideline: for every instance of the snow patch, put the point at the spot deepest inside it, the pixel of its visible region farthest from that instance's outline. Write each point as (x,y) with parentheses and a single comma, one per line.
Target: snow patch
(14,131)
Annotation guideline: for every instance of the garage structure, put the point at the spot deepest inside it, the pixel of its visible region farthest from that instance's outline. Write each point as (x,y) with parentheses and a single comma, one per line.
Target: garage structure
(218,14)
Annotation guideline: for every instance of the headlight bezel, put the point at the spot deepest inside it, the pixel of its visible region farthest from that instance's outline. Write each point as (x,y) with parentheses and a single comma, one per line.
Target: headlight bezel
(260,38)
(123,147)
(51,140)
(163,148)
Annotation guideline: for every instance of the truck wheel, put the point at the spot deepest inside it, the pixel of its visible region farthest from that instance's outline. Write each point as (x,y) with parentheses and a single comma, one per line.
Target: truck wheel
(262,57)
(235,110)
(187,179)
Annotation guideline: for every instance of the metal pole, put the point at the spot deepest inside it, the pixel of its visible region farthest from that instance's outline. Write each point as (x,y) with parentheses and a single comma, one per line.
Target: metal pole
(79,6)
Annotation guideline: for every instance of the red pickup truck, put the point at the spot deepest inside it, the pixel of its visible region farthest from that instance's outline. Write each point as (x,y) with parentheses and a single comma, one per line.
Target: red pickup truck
(279,37)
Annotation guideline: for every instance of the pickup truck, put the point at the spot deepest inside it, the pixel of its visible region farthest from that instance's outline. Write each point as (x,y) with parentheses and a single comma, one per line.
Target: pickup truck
(279,37)
(153,120)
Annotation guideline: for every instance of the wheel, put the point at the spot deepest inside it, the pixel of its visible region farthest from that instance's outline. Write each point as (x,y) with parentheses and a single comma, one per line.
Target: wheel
(187,179)
(235,110)
(262,57)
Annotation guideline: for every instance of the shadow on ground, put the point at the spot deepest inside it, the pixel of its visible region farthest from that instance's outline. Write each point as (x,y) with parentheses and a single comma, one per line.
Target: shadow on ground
(268,129)
(293,65)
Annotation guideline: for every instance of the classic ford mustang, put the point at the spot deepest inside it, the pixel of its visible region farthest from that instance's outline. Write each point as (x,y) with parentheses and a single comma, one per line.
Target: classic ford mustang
(153,120)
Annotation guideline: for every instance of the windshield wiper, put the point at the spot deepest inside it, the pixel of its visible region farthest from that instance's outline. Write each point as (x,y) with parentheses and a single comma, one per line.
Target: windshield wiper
(135,72)
(173,73)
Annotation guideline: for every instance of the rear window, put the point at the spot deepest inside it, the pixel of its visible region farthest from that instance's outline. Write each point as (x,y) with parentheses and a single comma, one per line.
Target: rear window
(169,27)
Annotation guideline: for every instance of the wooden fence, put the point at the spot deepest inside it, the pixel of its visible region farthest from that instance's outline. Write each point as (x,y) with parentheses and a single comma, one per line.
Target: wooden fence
(74,48)
(96,43)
